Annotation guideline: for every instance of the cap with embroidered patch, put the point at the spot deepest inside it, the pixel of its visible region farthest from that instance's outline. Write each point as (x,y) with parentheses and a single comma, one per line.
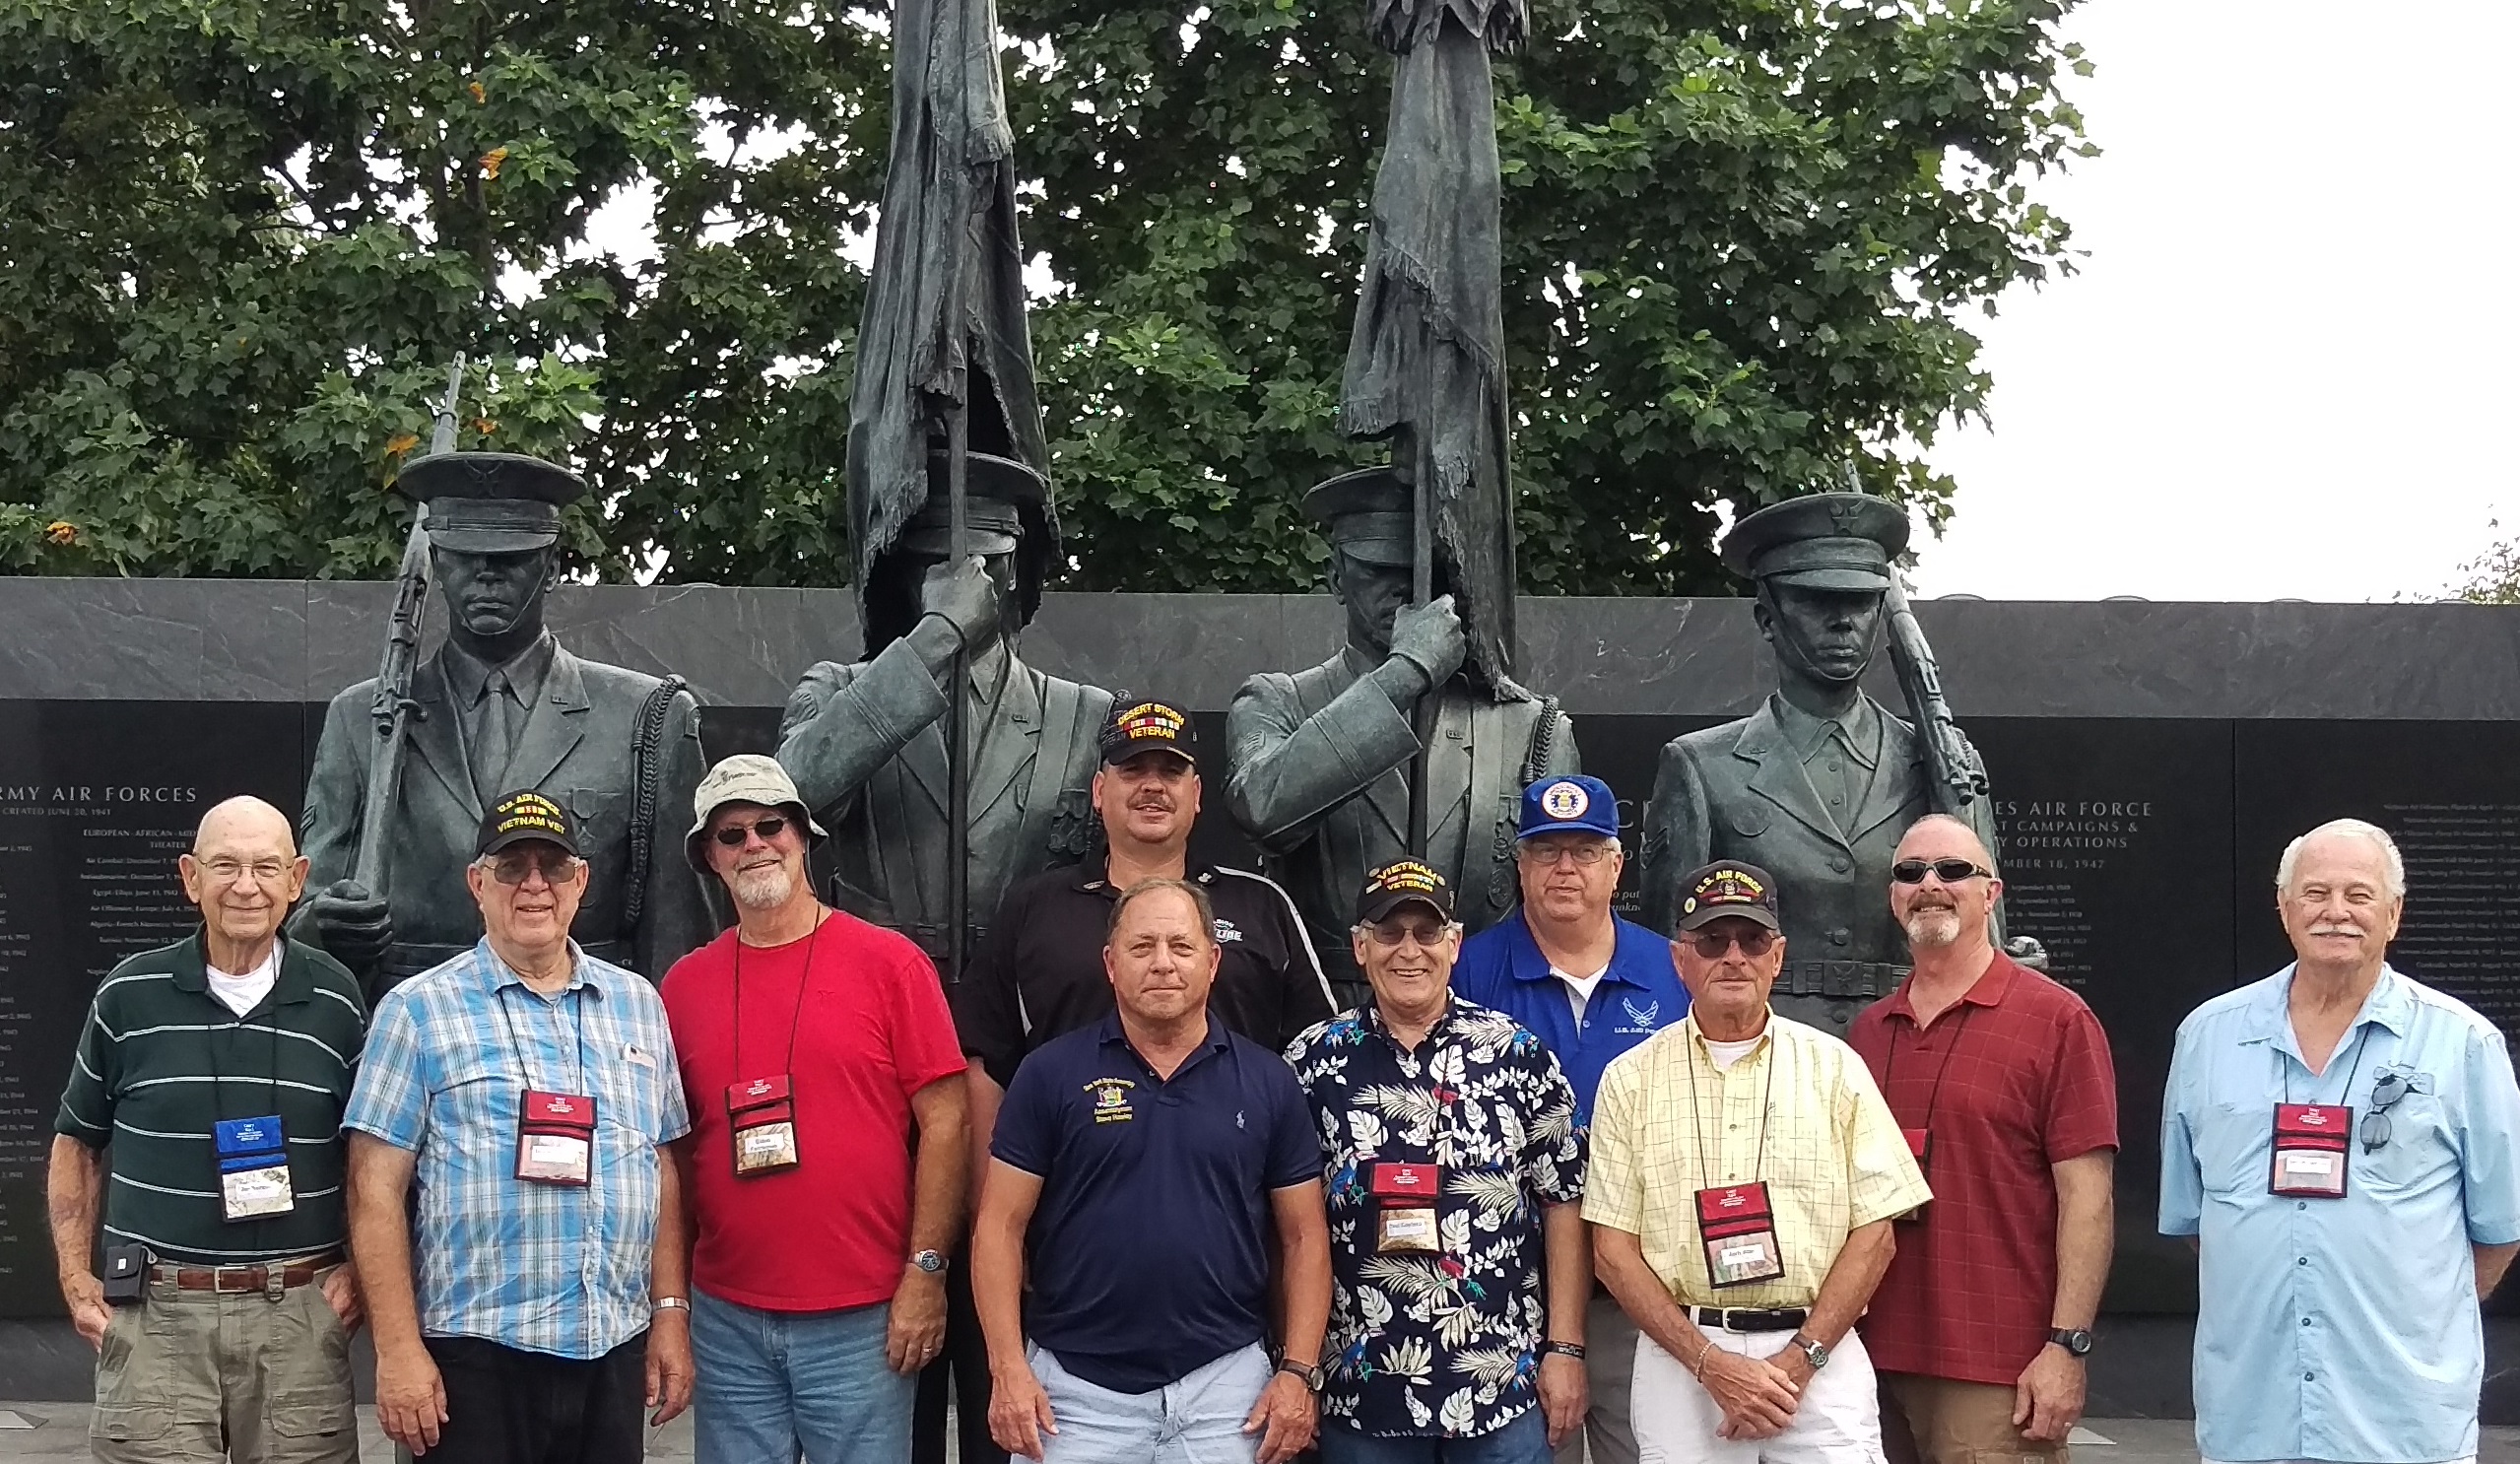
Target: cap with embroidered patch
(1149,727)
(1403,881)
(526,815)
(1727,887)
(1572,804)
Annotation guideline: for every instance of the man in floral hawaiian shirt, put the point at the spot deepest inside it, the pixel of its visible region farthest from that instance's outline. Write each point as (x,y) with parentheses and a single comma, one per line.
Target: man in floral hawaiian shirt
(1455,1172)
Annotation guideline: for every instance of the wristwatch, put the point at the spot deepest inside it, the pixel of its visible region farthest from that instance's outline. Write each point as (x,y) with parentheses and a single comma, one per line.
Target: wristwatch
(930,1261)
(1573,1349)
(2074,1341)
(1313,1378)
(1812,1352)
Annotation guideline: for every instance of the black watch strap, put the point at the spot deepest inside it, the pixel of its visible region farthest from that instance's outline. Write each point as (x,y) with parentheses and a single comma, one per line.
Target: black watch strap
(1573,1349)
(2074,1340)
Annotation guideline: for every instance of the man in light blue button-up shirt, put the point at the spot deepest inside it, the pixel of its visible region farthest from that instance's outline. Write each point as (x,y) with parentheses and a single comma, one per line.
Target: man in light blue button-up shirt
(2344,1328)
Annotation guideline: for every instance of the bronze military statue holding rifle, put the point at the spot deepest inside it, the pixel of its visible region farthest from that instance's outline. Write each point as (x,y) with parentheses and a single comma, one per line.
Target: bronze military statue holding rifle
(1818,785)
(407,761)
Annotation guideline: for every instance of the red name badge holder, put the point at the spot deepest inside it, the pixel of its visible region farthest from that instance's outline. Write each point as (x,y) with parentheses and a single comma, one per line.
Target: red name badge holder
(556,1139)
(2311,1141)
(761,1115)
(1739,1228)
(1404,1204)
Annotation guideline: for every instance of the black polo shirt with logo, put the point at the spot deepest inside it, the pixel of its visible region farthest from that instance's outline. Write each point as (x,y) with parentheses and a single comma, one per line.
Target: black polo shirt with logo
(161,1060)
(1039,973)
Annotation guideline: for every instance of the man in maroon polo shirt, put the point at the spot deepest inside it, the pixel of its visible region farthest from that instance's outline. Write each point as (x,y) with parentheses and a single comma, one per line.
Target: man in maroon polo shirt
(2002,1079)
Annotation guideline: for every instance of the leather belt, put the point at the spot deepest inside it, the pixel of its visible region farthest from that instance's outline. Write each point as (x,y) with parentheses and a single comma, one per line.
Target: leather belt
(1860,979)
(270,1280)
(1750,1319)
(934,939)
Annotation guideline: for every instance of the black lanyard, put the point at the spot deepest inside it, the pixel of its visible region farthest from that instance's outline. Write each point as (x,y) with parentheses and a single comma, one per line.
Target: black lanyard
(576,1021)
(236,1023)
(1934,1096)
(2359,1043)
(795,1019)
(1766,1105)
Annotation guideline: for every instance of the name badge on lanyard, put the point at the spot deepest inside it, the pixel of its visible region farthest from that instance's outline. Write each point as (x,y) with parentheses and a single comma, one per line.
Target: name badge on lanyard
(761,1114)
(1737,1227)
(556,1138)
(253,1168)
(1404,1207)
(2310,1150)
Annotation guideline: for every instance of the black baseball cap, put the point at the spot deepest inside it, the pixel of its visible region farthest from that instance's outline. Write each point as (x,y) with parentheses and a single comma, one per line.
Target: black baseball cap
(1727,887)
(1399,883)
(525,814)
(1149,727)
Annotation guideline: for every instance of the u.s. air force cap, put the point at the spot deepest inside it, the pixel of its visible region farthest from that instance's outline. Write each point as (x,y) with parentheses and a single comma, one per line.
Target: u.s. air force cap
(1403,881)
(1830,541)
(490,503)
(525,814)
(1149,727)
(1727,887)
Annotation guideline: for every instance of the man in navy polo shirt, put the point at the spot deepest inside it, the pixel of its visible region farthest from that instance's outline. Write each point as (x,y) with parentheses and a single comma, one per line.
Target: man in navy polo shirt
(1590,986)
(1137,1166)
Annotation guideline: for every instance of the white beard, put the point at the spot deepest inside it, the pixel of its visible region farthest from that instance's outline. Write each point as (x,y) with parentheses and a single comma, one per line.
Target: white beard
(764,889)
(1932,929)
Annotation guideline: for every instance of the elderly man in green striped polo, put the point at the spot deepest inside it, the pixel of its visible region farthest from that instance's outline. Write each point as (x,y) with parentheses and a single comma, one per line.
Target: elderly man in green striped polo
(217,1068)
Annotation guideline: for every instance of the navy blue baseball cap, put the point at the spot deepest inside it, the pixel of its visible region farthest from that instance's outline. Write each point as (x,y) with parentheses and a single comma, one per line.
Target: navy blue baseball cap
(1569,804)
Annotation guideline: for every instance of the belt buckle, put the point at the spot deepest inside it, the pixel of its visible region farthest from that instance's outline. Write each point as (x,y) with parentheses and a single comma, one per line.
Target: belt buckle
(275,1282)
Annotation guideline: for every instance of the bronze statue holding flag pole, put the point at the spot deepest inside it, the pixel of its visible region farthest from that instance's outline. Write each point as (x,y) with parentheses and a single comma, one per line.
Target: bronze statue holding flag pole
(1414,736)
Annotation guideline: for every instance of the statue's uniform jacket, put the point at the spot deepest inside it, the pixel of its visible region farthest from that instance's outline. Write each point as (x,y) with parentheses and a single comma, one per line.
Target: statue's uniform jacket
(1321,781)
(577,746)
(1739,791)
(865,743)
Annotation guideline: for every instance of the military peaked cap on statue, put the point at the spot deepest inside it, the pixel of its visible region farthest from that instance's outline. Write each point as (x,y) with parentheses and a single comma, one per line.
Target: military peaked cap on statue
(490,503)
(1006,507)
(1369,513)
(1830,541)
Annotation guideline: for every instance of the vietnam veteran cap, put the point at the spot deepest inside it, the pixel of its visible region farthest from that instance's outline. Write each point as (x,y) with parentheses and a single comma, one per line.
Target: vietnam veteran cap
(490,503)
(1830,541)
(1572,804)
(525,814)
(1727,887)
(1149,727)
(1399,883)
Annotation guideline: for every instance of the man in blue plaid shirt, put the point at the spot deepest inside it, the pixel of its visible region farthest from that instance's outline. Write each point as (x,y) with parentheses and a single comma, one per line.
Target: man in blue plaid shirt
(526,1088)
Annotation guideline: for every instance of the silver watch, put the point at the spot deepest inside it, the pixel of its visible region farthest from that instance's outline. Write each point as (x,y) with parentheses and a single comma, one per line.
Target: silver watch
(930,1261)
(1812,1352)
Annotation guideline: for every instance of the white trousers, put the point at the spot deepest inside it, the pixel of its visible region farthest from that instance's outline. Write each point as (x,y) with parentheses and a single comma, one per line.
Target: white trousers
(1836,1420)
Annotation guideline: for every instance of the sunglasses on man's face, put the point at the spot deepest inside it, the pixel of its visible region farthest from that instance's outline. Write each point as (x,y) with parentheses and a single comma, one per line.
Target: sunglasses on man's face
(516,866)
(1712,944)
(734,835)
(1949,871)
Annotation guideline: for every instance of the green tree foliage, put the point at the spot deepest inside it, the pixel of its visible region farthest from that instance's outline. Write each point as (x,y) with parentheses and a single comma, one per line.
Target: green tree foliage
(2493,577)
(239,239)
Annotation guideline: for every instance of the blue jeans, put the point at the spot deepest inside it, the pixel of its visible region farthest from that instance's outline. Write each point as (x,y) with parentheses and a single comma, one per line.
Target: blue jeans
(774,1384)
(1196,1418)
(1522,1440)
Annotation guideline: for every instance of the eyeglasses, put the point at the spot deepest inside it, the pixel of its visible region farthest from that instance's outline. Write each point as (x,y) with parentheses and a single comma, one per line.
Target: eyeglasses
(1584,853)
(1949,871)
(734,835)
(1392,936)
(2385,1094)
(226,871)
(1712,944)
(512,867)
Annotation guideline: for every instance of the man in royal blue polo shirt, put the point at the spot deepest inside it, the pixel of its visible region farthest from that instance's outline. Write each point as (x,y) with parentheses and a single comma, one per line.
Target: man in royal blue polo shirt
(1590,986)
(1137,1166)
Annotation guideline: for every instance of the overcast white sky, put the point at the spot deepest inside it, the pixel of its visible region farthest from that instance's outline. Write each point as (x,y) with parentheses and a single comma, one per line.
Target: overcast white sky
(2286,369)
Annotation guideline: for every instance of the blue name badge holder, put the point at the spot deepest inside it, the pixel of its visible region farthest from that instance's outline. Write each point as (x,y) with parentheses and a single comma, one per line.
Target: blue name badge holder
(253,1168)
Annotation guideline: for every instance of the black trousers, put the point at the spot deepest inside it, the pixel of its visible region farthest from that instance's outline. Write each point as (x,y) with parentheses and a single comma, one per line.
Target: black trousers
(965,1360)
(505,1406)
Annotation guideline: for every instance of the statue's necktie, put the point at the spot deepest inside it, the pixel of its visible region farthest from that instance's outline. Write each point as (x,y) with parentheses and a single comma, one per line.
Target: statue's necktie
(495,744)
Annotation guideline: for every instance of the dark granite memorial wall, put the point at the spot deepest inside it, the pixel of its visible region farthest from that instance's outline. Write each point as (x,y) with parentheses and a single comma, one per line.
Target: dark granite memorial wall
(2149,761)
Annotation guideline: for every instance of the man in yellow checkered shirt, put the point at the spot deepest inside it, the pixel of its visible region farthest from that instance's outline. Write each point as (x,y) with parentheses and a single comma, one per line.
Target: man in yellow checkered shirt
(1745,1172)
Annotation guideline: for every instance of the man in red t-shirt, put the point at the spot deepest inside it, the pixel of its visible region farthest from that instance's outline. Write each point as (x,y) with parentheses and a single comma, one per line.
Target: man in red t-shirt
(2002,1079)
(825,1163)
